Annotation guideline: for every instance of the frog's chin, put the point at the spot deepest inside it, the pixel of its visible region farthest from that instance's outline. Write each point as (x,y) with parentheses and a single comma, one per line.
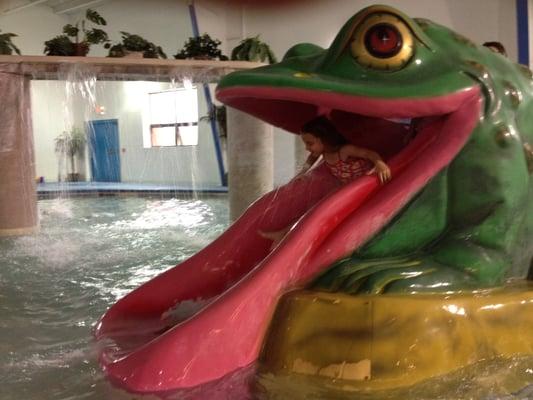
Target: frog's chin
(395,128)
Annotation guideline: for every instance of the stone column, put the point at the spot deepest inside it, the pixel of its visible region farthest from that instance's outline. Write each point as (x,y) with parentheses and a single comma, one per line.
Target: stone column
(300,154)
(250,160)
(18,198)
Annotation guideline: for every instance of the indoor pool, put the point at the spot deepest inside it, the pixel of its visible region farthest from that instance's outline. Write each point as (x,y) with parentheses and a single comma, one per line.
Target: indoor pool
(92,251)
(55,285)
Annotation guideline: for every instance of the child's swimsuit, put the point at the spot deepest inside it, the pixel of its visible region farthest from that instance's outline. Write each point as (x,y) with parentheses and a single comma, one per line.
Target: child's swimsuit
(350,169)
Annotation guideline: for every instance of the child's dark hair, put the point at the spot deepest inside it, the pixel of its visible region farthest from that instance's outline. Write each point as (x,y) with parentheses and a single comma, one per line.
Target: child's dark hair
(322,128)
(496,46)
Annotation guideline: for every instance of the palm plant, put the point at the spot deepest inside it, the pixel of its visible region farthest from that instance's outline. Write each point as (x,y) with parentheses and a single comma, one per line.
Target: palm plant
(253,49)
(136,43)
(82,37)
(201,47)
(219,115)
(6,45)
(71,144)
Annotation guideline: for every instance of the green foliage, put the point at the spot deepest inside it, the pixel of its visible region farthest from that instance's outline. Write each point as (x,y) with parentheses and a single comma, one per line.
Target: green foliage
(132,42)
(201,47)
(59,46)
(71,30)
(253,49)
(117,50)
(94,17)
(219,115)
(70,144)
(96,36)
(6,45)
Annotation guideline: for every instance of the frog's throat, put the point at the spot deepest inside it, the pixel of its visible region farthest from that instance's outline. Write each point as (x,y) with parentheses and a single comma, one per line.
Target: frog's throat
(446,124)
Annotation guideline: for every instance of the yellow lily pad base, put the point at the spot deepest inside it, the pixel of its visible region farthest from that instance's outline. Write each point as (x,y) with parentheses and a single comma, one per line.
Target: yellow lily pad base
(391,341)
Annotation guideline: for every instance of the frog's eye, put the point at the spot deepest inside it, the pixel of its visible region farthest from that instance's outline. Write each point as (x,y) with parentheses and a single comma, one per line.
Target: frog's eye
(383,41)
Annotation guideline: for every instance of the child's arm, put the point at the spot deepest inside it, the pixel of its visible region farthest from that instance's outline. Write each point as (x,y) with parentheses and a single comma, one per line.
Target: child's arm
(380,167)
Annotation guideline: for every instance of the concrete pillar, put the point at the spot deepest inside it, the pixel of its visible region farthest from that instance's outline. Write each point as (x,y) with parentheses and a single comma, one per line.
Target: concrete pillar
(250,160)
(300,154)
(18,198)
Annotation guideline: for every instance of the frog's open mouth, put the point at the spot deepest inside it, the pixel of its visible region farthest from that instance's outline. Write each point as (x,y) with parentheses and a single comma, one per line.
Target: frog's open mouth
(444,124)
(441,124)
(379,124)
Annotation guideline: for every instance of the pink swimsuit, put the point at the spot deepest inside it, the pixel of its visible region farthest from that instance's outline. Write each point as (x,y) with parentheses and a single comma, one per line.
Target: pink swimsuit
(350,169)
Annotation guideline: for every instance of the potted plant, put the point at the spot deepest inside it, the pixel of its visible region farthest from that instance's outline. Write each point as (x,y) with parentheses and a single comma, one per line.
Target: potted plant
(82,37)
(217,114)
(201,48)
(6,45)
(136,46)
(71,144)
(253,49)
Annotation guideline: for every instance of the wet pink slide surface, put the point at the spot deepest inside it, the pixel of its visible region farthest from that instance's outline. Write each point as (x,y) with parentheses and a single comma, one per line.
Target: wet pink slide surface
(134,325)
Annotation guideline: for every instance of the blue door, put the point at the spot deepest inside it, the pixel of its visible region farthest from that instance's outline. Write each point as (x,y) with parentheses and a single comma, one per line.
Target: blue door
(104,150)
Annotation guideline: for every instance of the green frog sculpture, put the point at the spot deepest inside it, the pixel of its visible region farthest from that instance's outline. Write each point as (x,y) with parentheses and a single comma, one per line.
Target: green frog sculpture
(470,225)
(454,122)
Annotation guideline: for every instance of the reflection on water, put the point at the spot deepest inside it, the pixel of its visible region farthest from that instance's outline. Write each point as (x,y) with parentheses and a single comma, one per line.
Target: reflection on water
(55,285)
(90,252)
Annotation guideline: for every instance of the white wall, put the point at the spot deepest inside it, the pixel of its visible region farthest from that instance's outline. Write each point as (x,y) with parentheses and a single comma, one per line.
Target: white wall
(33,25)
(318,22)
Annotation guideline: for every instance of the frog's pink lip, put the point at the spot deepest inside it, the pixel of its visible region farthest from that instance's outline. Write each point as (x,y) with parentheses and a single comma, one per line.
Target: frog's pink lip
(290,108)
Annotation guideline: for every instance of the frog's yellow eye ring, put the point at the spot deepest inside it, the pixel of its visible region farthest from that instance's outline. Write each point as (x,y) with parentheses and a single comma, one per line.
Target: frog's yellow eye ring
(383,42)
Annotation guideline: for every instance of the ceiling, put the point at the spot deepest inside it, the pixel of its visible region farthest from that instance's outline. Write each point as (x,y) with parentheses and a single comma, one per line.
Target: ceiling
(8,7)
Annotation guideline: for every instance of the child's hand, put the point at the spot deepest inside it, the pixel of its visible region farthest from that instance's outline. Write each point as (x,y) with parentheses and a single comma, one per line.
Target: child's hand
(382,170)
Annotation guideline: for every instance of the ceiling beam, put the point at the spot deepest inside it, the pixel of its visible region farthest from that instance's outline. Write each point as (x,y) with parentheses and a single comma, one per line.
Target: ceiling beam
(22,7)
(71,6)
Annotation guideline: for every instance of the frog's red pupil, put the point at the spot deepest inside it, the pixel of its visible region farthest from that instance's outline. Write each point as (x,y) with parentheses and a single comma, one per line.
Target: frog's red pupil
(383,40)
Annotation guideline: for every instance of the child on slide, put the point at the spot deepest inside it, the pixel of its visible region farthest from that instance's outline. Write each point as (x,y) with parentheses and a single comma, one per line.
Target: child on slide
(344,161)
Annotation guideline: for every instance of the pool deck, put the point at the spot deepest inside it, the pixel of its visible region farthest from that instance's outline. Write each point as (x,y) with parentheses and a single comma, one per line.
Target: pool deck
(80,189)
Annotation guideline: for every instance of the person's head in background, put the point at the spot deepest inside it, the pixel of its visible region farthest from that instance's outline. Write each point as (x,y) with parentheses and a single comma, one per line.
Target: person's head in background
(496,47)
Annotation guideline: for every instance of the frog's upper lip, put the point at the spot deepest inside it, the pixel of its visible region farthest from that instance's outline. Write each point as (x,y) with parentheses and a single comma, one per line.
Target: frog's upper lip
(447,122)
(362,119)
(290,108)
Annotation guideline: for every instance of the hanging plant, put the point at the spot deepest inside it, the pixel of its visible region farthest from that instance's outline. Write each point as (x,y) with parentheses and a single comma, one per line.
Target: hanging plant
(136,44)
(201,48)
(253,49)
(82,37)
(6,45)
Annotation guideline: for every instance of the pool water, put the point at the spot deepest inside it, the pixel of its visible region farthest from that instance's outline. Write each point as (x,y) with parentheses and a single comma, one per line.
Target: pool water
(55,285)
(90,252)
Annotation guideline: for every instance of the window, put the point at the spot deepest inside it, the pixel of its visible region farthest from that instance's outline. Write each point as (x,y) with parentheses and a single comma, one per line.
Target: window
(173,117)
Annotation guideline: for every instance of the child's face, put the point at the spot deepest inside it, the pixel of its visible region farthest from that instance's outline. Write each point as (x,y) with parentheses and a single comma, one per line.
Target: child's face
(312,144)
